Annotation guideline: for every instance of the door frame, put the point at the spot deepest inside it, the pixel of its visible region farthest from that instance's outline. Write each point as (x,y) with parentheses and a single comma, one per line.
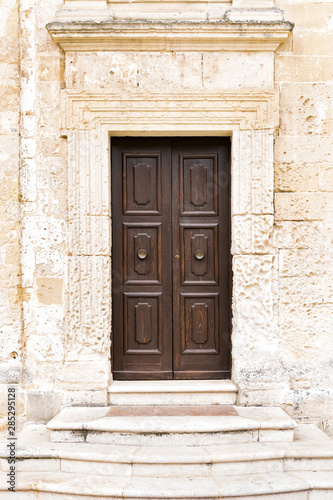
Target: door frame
(251,118)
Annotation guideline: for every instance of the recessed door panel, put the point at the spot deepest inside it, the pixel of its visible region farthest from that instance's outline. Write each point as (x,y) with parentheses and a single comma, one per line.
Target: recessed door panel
(200,324)
(142,323)
(198,184)
(141,184)
(142,261)
(199,252)
(170,258)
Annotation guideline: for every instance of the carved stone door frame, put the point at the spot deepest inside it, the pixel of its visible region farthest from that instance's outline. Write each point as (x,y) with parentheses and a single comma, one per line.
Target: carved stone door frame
(250,118)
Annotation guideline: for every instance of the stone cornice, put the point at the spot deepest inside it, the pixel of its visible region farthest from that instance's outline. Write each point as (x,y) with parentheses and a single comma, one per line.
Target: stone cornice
(156,36)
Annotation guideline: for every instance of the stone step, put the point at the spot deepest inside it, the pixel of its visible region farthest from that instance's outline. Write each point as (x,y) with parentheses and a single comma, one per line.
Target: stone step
(300,470)
(247,458)
(248,424)
(269,486)
(172,392)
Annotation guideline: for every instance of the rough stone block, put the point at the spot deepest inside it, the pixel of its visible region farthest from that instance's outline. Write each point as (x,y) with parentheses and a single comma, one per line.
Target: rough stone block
(303,206)
(89,321)
(298,234)
(326,178)
(304,149)
(300,348)
(86,398)
(313,14)
(326,69)
(50,290)
(34,465)
(45,348)
(306,290)
(49,68)
(270,396)
(276,436)
(11,337)
(255,330)
(226,70)
(309,42)
(84,376)
(42,406)
(10,372)
(296,177)
(306,262)
(252,234)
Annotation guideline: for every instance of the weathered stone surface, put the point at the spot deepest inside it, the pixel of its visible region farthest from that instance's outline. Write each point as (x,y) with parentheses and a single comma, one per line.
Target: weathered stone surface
(252,176)
(252,234)
(55,227)
(89,308)
(298,234)
(10,372)
(255,327)
(84,376)
(306,262)
(301,206)
(43,405)
(297,177)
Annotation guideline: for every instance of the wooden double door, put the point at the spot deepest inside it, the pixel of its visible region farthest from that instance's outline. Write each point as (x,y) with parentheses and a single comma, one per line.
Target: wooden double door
(171,258)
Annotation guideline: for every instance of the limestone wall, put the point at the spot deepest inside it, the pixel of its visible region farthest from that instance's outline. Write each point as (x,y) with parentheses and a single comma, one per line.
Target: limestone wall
(58,368)
(10,279)
(304,207)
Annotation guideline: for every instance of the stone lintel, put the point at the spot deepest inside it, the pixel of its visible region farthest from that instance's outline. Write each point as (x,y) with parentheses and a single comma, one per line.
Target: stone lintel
(159,36)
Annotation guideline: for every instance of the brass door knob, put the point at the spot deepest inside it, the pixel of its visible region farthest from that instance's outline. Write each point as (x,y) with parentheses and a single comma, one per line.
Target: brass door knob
(142,253)
(199,254)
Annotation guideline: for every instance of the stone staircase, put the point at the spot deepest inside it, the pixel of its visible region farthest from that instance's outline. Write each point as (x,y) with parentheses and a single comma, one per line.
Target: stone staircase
(171,451)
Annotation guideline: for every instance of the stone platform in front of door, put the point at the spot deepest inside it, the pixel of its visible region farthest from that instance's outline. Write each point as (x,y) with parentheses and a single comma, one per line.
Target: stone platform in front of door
(251,470)
(172,425)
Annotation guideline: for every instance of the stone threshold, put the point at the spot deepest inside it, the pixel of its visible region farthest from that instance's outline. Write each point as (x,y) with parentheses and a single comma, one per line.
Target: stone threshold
(172,392)
(163,386)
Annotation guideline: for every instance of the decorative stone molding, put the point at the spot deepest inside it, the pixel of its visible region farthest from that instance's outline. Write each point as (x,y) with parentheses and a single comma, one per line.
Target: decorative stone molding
(182,111)
(89,119)
(157,36)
